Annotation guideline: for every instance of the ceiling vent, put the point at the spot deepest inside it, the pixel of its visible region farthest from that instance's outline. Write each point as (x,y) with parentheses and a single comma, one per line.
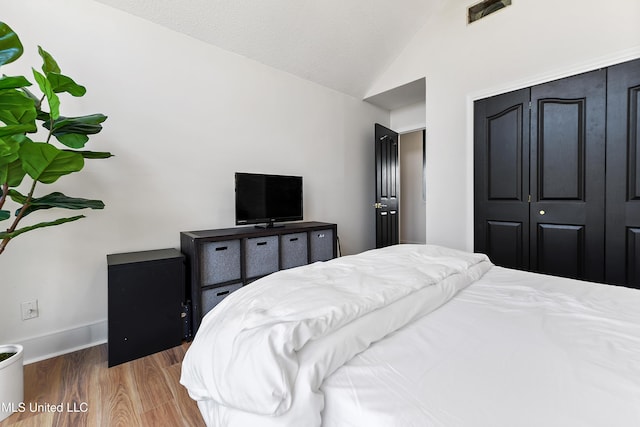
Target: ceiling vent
(485,8)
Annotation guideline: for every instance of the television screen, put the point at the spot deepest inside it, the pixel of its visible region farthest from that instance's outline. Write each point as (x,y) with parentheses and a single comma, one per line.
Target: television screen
(267,199)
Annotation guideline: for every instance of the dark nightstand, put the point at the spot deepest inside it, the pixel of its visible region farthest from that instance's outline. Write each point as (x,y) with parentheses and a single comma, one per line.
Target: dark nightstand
(145,295)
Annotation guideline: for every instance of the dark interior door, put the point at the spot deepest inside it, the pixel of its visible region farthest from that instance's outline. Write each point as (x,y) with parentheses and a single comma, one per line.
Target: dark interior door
(386,205)
(568,123)
(623,174)
(501,178)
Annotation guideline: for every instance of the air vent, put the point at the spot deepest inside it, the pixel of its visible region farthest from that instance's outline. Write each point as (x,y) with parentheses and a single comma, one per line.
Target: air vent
(485,8)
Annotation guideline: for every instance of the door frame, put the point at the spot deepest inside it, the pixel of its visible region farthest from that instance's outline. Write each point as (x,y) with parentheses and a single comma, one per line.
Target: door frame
(399,198)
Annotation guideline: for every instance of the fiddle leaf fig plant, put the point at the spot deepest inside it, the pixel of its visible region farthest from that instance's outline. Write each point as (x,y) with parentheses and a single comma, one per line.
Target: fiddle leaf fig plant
(28,161)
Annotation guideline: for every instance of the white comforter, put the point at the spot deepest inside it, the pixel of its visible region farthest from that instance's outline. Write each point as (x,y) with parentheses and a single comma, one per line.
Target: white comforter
(514,349)
(261,356)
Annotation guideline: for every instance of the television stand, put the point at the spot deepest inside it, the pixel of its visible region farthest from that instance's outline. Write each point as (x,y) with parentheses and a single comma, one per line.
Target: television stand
(223,260)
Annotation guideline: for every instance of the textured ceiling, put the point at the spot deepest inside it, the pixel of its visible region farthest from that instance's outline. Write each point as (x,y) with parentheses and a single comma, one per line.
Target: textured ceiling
(341,44)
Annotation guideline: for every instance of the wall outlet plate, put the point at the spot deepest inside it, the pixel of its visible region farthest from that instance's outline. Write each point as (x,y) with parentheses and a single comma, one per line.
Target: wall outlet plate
(29,309)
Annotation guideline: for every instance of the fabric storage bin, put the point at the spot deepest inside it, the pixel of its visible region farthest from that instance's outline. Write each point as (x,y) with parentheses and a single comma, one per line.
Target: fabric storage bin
(261,255)
(212,296)
(220,262)
(321,245)
(293,250)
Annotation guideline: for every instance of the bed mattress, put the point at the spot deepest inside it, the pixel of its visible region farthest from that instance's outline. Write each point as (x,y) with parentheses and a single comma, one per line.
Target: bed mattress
(417,335)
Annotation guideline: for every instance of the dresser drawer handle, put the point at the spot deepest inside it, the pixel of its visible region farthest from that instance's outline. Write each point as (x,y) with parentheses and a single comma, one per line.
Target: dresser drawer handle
(261,243)
(293,239)
(219,294)
(221,248)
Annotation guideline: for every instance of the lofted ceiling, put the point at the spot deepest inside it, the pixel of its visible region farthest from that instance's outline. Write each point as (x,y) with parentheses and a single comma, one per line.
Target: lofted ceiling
(341,44)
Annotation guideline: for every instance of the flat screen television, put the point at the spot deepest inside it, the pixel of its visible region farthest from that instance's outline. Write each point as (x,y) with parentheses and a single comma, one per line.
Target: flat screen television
(267,199)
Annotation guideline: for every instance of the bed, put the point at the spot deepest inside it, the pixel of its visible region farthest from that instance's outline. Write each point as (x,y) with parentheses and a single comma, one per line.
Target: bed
(418,335)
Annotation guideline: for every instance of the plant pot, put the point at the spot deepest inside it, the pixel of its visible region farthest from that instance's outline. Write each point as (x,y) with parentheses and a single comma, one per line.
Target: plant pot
(11,380)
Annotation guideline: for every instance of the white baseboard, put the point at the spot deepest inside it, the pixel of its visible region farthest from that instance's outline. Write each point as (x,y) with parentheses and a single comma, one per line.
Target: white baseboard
(62,342)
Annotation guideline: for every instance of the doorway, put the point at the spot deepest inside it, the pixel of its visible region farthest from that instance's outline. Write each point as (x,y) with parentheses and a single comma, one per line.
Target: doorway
(407,113)
(412,187)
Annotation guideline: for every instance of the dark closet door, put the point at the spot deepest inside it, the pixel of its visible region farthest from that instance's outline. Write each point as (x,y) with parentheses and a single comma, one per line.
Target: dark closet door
(568,122)
(501,178)
(623,174)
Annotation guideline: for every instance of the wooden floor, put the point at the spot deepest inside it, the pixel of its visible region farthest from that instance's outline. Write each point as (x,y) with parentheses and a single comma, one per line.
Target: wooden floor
(143,392)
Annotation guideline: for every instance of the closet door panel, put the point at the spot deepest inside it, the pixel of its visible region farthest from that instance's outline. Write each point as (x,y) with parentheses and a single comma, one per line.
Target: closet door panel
(561,249)
(561,149)
(632,128)
(623,174)
(632,258)
(501,180)
(567,176)
(504,242)
(504,152)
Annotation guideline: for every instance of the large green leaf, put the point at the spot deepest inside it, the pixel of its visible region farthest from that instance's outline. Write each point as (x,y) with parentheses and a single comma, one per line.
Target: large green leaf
(16,129)
(73,131)
(10,45)
(84,124)
(13,82)
(49,65)
(8,150)
(54,200)
(4,215)
(13,98)
(52,98)
(46,163)
(12,173)
(11,235)
(94,154)
(61,83)
(17,111)
(73,140)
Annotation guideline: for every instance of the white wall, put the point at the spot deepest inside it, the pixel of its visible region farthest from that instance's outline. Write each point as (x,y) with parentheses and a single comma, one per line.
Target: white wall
(529,42)
(183,117)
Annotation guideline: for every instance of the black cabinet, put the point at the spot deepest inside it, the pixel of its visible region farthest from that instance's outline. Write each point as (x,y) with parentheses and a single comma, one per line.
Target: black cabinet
(223,260)
(145,296)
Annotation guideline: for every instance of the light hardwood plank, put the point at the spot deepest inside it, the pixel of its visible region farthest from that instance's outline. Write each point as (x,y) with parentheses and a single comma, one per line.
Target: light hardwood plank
(189,417)
(150,383)
(143,392)
(38,420)
(163,415)
(119,402)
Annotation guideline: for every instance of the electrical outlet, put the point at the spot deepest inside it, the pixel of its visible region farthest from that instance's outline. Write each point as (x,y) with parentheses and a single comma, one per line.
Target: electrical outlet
(29,309)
